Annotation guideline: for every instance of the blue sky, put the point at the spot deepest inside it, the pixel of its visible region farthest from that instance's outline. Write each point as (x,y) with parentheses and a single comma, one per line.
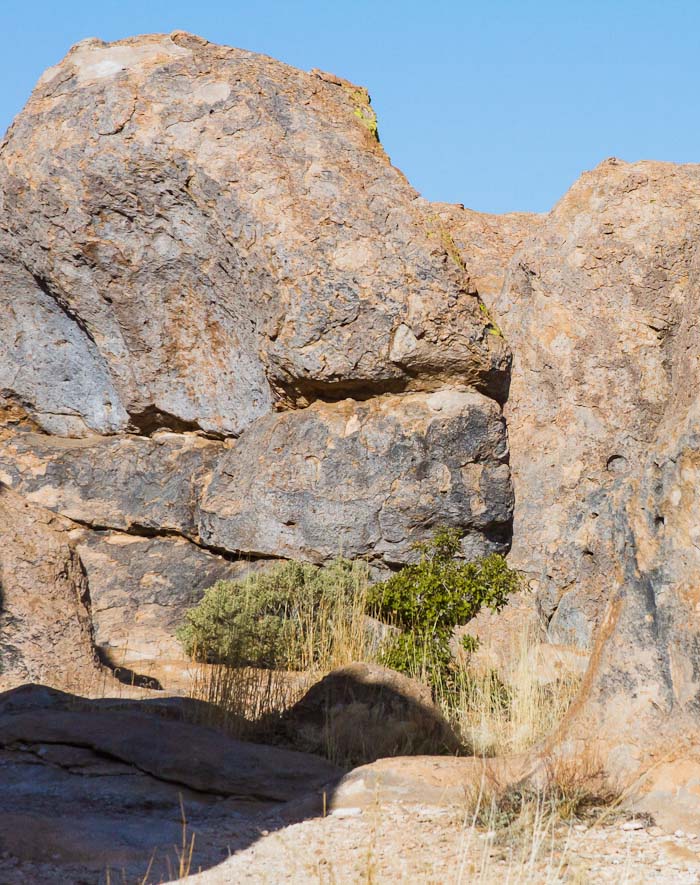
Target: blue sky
(499,105)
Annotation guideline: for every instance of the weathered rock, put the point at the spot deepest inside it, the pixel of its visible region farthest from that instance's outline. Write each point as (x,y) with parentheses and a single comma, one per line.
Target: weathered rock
(594,303)
(88,788)
(156,200)
(141,589)
(126,483)
(193,238)
(363,712)
(45,628)
(600,304)
(364,479)
(484,243)
(424,780)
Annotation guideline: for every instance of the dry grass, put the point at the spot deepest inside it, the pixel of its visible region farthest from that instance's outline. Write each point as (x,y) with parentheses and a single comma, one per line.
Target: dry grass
(493,714)
(503,713)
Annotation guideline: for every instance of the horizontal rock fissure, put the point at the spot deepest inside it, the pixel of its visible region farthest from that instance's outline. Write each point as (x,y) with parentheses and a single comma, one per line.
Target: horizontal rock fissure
(142,531)
(101,753)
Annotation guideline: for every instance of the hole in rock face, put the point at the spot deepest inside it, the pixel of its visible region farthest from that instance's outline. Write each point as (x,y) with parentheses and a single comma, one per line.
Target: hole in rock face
(616,464)
(659,521)
(152,419)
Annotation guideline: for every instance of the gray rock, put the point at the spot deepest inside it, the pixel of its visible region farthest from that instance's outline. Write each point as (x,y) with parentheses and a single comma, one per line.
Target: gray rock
(363,479)
(140,589)
(161,192)
(92,793)
(136,484)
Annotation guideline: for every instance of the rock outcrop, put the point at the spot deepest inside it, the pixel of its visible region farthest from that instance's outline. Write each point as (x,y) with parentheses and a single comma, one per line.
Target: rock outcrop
(363,712)
(599,303)
(595,303)
(45,625)
(103,789)
(231,332)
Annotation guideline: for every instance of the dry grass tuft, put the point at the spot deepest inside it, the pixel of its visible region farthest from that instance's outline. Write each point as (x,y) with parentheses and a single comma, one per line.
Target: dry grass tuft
(506,713)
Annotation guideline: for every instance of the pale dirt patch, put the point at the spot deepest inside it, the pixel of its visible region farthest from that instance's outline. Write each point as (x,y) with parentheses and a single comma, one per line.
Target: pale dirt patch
(391,845)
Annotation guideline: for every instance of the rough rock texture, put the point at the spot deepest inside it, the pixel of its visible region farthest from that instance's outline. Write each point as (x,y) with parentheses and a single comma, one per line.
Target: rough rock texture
(364,479)
(363,712)
(131,484)
(596,302)
(139,588)
(45,627)
(484,243)
(227,318)
(600,305)
(157,200)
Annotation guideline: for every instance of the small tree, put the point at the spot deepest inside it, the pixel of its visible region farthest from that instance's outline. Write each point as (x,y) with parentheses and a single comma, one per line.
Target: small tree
(428,599)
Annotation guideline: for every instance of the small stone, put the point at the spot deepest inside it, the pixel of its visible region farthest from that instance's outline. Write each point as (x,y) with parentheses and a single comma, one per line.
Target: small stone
(346,812)
(632,825)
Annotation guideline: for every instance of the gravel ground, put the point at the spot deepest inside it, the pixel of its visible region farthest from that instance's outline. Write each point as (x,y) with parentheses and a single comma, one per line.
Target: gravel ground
(430,846)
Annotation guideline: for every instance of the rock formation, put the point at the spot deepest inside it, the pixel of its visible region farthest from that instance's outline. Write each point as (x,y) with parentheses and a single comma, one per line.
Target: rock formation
(599,303)
(94,790)
(231,332)
(364,712)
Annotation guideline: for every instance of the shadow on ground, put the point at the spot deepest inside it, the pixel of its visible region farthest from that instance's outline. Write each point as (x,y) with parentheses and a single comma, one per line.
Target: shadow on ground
(113,790)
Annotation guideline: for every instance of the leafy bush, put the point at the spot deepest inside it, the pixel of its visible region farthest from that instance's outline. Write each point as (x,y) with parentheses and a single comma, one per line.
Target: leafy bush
(287,618)
(428,599)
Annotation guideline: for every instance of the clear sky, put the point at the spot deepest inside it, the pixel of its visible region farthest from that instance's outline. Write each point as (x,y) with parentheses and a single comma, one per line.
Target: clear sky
(499,105)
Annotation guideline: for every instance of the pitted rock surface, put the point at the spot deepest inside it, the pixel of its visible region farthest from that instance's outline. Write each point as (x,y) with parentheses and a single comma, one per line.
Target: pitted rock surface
(45,626)
(364,478)
(597,303)
(230,331)
(199,226)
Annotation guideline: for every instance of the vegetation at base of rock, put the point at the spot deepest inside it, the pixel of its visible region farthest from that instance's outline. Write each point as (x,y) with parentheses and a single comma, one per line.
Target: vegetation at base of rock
(428,599)
(311,620)
(289,618)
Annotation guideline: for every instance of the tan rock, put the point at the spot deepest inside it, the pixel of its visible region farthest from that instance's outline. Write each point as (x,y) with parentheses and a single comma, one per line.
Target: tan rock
(156,201)
(45,627)
(600,304)
(593,303)
(192,238)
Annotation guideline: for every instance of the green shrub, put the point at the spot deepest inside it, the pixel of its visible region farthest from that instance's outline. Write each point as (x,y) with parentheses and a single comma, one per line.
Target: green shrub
(286,618)
(428,599)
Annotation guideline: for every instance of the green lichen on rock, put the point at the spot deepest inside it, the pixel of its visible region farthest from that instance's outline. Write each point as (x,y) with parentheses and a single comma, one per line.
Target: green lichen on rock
(492,326)
(363,110)
(436,228)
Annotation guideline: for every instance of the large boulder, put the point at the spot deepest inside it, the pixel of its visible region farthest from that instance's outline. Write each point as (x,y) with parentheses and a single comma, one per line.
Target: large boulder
(364,479)
(596,302)
(231,331)
(195,227)
(361,712)
(600,303)
(93,790)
